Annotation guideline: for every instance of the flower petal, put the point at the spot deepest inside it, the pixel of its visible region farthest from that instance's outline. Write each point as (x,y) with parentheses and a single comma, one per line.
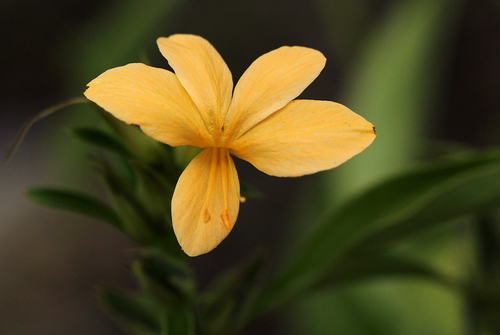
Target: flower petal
(202,72)
(152,98)
(304,137)
(271,82)
(206,201)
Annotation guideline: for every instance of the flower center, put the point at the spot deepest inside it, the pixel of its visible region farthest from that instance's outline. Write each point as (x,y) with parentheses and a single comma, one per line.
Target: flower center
(220,136)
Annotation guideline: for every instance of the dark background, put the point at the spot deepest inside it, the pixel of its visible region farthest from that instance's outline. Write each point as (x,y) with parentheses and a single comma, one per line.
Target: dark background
(50,262)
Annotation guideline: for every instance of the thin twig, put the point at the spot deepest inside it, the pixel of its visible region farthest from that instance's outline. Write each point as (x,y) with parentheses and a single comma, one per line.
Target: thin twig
(27,125)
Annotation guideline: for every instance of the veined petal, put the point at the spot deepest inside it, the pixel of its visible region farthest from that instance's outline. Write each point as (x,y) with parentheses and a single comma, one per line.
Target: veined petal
(152,98)
(271,82)
(206,201)
(202,72)
(304,137)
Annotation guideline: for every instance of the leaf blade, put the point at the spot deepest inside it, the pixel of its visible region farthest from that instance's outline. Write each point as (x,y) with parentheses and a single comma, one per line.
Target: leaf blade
(404,201)
(74,201)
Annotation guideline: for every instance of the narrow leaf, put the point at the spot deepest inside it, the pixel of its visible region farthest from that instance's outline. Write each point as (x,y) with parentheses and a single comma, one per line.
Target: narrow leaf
(395,82)
(168,279)
(137,222)
(74,201)
(226,306)
(352,270)
(101,139)
(473,191)
(423,197)
(137,312)
(181,321)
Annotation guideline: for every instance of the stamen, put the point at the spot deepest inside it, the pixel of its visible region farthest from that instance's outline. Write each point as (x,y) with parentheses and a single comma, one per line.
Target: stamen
(226,219)
(210,185)
(206,216)
(233,176)
(223,164)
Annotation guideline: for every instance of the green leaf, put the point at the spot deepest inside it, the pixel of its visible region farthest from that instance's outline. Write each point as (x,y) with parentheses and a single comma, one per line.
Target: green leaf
(226,305)
(137,222)
(395,81)
(483,294)
(153,189)
(398,73)
(74,201)
(183,155)
(351,270)
(101,139)
(139,144)
(404,203)
(167,279)
(180,321)
(143,148)
(138,313)
(473,190)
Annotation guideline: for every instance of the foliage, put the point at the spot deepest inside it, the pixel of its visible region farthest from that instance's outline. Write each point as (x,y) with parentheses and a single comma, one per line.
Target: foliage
(395,78)
(349,244)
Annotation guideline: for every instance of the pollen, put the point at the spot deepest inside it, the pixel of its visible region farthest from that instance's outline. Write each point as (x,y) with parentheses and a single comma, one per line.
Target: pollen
(226,220)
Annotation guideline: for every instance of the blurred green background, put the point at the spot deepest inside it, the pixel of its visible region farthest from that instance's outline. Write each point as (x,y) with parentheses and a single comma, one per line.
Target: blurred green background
(424,72)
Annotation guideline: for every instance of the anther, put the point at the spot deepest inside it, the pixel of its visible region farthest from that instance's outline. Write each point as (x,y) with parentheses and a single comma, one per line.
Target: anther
(226,220)
(206,216)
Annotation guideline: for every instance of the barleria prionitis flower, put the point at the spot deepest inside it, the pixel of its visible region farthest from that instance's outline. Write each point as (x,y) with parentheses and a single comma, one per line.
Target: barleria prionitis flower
(258,122)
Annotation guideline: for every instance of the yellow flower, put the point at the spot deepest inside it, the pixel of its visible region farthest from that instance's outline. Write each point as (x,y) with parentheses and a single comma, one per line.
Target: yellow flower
(258,122)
